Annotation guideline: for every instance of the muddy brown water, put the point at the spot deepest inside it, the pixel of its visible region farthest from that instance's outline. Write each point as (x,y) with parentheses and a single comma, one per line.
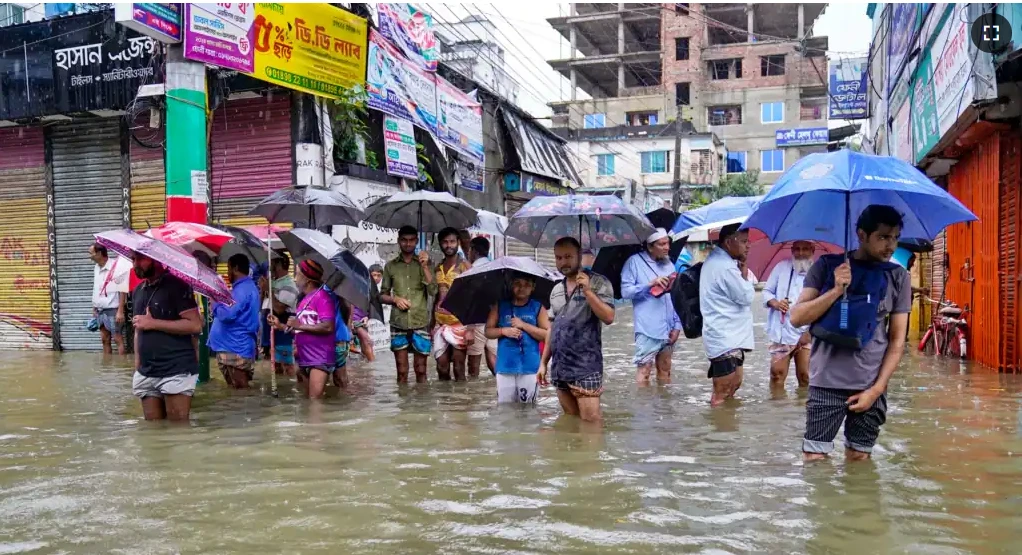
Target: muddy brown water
(440,468)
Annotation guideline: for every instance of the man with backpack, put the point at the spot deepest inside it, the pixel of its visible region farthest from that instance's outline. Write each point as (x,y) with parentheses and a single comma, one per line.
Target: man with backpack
(858,309)
(725,301)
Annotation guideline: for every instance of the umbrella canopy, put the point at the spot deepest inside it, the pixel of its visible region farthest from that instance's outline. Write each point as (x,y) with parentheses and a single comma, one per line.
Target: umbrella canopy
(722,210)
(610,261)
(822,195)
(916,245)
(243,242)
(763,255)
(595,220)
(427,211)
(191,237)
(127,243)
(318,246)
(351,282)
(309,206)
(476,290)
(490,223)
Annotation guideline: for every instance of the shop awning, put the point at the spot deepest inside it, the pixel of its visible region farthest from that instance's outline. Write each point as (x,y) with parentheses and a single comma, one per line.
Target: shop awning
(539,151)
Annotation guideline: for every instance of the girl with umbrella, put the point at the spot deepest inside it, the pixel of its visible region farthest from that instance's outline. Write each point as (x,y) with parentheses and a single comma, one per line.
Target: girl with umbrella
(519,324)
(314,328)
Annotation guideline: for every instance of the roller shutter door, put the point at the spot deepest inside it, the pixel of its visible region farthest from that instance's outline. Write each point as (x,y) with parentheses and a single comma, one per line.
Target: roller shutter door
(25,316)
(87,195)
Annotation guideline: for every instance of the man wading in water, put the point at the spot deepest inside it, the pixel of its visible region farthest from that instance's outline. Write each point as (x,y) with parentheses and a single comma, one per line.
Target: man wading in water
(407,284)
(450,338)
(574,345)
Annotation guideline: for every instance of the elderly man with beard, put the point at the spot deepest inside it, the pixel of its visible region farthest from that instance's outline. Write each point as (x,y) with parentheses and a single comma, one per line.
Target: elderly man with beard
(788,342)
(644,280)
(451,340)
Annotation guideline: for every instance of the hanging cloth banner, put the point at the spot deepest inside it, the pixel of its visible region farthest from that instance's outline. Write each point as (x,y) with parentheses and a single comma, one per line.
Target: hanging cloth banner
(460,124)
(412,31)
(397,87)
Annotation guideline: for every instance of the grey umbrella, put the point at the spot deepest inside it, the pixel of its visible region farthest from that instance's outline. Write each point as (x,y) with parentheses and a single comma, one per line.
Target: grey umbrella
(309,206)
(429,211)
(342,272)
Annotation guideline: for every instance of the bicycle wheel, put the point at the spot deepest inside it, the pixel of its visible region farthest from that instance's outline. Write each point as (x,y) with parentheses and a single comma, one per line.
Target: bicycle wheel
(953,344)
(928,344)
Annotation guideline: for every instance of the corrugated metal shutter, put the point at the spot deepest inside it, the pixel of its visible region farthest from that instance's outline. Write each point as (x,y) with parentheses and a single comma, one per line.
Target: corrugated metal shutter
(148,186)
(25,318)
(938,269)
(87,194)
(514,246)
(250,148)
(960,254)
(1010,233)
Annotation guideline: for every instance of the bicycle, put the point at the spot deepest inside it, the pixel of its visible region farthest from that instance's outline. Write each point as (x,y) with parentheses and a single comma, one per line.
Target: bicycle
(946,334)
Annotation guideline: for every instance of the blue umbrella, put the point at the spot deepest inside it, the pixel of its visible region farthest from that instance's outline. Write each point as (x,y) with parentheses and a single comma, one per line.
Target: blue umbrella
(822,195)
(723,210)
(595,220)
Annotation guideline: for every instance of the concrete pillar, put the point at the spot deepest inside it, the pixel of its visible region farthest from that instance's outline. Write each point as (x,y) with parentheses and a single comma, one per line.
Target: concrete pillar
(620,36)
(749,12)
(801,20)
(571,10)
(572,39)
(574,84)
(621,6)
(620,78)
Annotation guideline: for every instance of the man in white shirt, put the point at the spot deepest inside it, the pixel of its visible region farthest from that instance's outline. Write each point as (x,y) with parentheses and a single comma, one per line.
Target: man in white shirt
(788,342)
(109,292)
(725,300)
(478,254)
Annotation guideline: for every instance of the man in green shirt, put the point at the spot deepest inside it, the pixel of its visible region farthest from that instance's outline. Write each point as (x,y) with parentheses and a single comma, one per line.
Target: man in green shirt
(408,284)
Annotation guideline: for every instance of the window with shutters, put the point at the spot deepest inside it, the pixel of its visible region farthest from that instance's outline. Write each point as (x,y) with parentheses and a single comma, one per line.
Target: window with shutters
(594,121)
(654,162)
(604,164)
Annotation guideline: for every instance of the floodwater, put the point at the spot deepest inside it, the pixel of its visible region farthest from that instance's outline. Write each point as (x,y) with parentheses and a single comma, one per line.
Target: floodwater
(441,469)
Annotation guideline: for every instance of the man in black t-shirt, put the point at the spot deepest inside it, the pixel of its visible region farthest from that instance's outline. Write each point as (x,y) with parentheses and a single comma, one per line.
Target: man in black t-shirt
(165,318)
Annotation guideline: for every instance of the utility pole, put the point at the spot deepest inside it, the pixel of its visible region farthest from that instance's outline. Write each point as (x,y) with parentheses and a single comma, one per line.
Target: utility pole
(676,185)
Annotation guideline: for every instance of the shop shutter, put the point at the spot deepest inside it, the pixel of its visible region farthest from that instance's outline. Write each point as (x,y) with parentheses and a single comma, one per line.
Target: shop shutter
(983,165)
(514,246)
(87,194)
(250,148)
(938,270)
(1010,234)
(148,185)
(25,317)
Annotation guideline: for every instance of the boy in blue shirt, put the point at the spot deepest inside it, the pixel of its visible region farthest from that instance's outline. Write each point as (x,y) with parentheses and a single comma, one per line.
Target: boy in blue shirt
(342,338)
(519,324)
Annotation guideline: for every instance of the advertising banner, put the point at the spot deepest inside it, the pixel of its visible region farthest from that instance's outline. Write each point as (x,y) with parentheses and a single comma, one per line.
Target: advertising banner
(470,174)
(399,144)
(903,134)
(460,123)
(802,137)
(904,18)
(315,48)
(399,88)
(849,87)
(412,31)
(159,21)
(221,35)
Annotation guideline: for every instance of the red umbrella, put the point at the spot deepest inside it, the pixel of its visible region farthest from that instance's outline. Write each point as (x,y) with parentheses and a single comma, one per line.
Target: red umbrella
(191,237)
(127,243)
(763,256)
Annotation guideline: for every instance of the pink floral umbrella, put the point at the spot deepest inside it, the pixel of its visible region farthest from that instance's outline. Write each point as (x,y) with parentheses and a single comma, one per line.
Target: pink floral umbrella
(763,256)
(127,243)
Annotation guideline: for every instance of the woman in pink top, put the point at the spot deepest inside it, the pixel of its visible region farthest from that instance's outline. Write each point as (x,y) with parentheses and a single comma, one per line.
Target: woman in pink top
(313,327)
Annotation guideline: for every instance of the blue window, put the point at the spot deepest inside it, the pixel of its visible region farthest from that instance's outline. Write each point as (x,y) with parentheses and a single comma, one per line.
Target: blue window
(604,164)
(594,121)
(772,112)
(736,162)
(772,161)
(654,162)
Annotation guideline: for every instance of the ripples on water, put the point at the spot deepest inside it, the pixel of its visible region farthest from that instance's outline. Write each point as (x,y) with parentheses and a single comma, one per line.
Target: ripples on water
(440,468)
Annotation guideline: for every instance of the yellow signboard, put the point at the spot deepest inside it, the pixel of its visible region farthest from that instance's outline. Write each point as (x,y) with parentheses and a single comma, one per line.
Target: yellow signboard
(315,48)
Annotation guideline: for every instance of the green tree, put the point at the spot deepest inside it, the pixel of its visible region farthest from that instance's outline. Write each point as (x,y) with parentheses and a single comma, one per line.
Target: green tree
(745,184)
(350,116)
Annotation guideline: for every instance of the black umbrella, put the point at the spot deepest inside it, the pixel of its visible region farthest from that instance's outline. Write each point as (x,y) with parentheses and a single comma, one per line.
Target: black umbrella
(610,261)
(476,290)
(428,211)
(352,281)
(342,272)
(244,242)
(916,245)
(310,206)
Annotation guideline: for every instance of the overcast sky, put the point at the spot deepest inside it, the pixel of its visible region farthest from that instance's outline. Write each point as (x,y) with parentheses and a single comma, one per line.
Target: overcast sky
(530,41)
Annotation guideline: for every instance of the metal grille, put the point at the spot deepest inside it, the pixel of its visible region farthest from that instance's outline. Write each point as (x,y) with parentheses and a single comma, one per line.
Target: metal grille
(87,197)
(25,319)
(1011,228)
(250,147)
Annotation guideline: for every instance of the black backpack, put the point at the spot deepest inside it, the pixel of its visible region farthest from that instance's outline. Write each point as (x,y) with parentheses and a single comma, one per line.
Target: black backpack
(685,297)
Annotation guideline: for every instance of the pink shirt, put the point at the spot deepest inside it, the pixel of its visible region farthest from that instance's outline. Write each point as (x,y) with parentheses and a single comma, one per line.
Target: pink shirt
(311,349)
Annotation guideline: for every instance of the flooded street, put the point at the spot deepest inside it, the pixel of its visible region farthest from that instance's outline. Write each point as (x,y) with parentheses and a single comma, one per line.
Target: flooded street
(441,469)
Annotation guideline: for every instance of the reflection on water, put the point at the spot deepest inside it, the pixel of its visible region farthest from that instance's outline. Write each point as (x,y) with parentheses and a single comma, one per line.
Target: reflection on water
(420,469)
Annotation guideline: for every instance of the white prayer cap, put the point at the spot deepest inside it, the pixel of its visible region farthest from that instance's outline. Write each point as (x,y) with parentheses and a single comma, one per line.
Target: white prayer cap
(659,234)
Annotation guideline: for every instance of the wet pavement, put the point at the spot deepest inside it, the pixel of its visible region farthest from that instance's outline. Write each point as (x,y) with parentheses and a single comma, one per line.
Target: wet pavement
(441,468)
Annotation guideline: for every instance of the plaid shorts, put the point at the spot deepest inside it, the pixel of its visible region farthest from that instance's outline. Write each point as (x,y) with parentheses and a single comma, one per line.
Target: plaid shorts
(234,362)
(587,386)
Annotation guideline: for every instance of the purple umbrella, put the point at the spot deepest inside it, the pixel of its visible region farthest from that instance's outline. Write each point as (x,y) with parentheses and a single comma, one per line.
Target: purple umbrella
(477,289)
(595,220)
(127,243)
